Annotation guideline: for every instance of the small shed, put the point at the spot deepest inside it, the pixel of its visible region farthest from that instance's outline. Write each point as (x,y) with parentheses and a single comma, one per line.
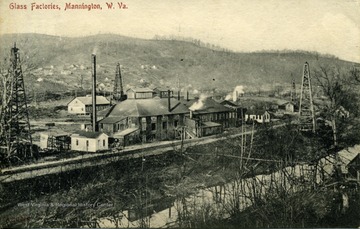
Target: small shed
(210,128)
(127,137)
(353,169)
(163,92)
(139,93)
(88,141)
(289,108)
(55,140)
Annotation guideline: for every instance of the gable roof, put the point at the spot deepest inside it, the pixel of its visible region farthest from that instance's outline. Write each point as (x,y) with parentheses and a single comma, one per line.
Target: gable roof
(140,89)
(227,102)
(88,134)
(87,100)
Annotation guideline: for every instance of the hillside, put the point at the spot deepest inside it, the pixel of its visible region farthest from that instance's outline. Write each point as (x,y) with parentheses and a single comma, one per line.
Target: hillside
(60,63)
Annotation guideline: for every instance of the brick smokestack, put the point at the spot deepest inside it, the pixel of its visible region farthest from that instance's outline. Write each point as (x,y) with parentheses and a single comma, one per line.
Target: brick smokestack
(94,119)
(178,95)
(169,104)
(187,95)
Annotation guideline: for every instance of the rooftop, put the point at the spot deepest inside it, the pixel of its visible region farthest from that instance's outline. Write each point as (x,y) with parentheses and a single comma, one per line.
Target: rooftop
(144,108)
(87,134)
(207,105)
(87,100)
(140,89)
(111,119)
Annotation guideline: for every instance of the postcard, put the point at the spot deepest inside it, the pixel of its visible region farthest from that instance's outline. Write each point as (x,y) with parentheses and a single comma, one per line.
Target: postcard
(179,114)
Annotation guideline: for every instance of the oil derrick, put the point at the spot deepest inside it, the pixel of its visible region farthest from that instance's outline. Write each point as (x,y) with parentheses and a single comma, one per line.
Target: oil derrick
(293,91)
(17,140)
(306,109)
(118,94)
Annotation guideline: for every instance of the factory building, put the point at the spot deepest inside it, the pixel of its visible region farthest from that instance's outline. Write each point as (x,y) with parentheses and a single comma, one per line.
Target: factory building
(239,111)
(149,119)
(207,117)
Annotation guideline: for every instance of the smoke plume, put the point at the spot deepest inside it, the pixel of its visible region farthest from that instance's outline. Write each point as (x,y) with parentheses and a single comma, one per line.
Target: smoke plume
(199,104)
(238,91)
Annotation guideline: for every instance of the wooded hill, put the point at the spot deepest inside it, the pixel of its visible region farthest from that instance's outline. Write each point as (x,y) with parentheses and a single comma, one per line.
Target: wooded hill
(63,63)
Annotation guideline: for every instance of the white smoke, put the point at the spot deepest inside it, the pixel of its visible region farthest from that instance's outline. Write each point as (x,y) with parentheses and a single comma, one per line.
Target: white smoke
(95,50)
(228,97)
(199,104)
(238,91)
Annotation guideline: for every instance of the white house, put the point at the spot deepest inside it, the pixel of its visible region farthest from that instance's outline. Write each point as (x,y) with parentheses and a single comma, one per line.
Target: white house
(87,141)
(83,105)
(260,116)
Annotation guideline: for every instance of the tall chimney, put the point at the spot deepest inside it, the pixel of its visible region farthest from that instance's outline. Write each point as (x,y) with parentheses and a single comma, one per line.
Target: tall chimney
(169,104)
(187,95)
(94,119)
(178,95)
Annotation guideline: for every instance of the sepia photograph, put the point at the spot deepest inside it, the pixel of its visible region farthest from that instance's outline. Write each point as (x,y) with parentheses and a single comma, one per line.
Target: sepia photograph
(180,114)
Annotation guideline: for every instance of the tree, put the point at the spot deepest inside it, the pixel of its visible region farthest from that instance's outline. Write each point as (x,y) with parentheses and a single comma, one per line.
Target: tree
(340,100)
(7,84)
(5,92)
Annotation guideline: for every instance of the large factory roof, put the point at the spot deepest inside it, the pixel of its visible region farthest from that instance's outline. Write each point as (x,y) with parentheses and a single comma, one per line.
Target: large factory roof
(145,107)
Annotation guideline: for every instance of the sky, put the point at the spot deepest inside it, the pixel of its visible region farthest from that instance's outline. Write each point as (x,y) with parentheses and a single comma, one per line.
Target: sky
(326,26)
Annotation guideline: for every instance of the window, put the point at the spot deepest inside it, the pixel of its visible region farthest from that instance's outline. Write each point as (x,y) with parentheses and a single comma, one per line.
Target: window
(153,126)
(71,108)
(176,123)
(164,126)
(77,142)
(87,142)
(103,142)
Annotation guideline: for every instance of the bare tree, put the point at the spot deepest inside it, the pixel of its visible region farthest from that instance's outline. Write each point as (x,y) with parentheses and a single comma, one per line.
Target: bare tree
(6,91)
(340,99)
